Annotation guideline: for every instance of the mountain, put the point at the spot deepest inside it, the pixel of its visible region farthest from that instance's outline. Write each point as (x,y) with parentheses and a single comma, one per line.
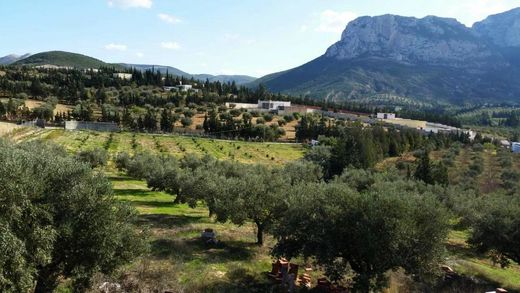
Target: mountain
(63,59)
(502,29)
(432,59)
(162,69)
(238,79)
(10,59)
(67,59)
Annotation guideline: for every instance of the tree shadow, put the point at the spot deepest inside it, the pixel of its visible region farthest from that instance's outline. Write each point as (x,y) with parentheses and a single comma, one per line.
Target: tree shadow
(161,221)
(195,248)
(242,280)
(132,192)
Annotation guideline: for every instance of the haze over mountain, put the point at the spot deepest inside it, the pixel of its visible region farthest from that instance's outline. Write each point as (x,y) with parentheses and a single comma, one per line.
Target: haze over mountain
(9,59)
(67,59)
(429,59)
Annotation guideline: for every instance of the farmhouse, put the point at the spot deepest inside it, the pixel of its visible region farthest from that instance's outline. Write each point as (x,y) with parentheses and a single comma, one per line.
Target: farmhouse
(386,116)
(125,76)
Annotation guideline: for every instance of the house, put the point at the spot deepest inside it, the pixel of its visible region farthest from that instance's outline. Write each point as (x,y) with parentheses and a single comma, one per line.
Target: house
(386,116)
(125,76)
(184,87)
(273,105)
(516,147)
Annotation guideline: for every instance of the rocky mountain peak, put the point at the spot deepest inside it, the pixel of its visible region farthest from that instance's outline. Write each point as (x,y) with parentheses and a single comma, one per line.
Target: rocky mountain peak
(432,40)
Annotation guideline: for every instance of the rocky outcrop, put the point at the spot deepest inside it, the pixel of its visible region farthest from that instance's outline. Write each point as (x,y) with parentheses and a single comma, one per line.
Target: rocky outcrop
(432,40)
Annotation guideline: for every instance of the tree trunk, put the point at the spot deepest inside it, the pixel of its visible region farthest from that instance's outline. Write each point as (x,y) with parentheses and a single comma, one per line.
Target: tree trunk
(178,199)
(259,234)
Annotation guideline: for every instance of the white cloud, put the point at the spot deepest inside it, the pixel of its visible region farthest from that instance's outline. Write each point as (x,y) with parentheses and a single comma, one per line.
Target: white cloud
(130,3)
(334,21)
(116,47)
(304,28)
(139,54)
(169,18)
(170,45)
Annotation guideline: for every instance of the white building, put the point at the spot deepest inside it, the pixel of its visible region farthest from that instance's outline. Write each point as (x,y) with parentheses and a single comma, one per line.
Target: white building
(385,116)
(241,106)
(516,147)
(273,105)
(184,87)
(125,76)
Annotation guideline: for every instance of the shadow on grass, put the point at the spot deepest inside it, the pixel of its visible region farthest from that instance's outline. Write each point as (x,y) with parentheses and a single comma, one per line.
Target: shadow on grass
(160,221)
(242,280)
(195,248)
(464,284)
(133,192)
(152,204)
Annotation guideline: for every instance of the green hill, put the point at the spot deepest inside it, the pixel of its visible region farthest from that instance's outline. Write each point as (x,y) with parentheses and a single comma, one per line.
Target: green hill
(65,59)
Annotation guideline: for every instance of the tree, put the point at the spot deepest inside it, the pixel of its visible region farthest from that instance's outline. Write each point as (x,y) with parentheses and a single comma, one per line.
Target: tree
(58,220)
(363,235)
(186,121)
(496,226)
(423,170)
(254,196)
(166,121)
(94,158)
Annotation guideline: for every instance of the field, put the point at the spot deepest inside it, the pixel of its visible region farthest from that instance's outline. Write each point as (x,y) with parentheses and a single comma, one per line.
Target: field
(246,152)
(31,104)
(6,128)
(179,262)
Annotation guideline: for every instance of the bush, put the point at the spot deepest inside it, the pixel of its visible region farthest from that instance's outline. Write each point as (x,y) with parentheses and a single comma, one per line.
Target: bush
(122,161)
(186,121)
(260,121)
(268,117)
(94,158)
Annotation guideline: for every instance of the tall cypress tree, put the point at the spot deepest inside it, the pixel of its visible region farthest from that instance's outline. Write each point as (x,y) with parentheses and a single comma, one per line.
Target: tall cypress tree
(423,171)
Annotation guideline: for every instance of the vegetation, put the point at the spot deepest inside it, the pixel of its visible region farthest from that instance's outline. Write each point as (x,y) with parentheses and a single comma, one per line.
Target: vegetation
(58,220)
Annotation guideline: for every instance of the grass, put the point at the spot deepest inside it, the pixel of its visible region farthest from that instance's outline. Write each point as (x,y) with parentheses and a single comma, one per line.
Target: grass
(245,152)
(237,264)
(466,262)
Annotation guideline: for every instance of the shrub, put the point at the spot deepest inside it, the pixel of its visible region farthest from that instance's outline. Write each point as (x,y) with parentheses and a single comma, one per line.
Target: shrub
(94,158)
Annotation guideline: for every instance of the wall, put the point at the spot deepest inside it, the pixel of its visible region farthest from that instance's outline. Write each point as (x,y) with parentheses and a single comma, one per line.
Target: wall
(96,126)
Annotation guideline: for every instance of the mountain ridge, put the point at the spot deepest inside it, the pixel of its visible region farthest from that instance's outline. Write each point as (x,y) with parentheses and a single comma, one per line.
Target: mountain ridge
(427,59)
(80,61)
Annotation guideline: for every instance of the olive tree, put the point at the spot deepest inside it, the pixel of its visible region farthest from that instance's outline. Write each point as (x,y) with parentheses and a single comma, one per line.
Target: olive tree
(58,220)
(362,234)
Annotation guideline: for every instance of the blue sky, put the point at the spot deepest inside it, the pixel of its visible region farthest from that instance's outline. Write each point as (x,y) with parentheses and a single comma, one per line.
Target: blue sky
(206,36)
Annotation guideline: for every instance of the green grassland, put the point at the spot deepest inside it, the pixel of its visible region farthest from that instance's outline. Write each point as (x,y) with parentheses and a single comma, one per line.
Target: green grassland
(132,143)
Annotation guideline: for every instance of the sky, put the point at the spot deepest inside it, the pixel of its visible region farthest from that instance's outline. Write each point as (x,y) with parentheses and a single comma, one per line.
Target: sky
(251,37)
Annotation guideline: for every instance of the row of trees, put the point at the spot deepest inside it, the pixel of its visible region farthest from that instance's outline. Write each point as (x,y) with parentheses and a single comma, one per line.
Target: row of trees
(360,224)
